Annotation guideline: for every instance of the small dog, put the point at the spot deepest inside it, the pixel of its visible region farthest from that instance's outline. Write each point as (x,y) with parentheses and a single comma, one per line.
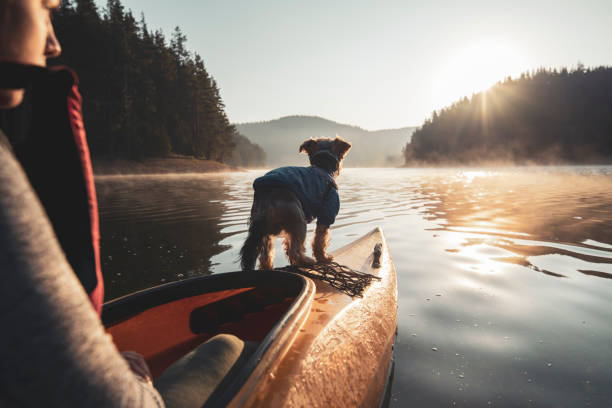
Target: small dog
(288,198)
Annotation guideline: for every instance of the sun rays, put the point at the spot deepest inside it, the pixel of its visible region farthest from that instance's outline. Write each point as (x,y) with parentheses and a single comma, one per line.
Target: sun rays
(475,68)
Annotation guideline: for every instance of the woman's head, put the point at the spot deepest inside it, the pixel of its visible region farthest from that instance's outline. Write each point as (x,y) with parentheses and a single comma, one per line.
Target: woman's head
(26,37)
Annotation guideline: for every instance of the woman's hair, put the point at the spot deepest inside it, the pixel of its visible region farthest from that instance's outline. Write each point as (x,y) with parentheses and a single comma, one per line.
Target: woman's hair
(5,17)
(10,24)
(5,6)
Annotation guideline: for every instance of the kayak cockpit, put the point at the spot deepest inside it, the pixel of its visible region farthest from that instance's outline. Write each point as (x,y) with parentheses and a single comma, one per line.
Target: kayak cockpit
(264,309)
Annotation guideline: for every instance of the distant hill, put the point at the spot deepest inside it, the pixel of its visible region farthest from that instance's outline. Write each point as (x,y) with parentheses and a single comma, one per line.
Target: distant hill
(281,138)
(246,153)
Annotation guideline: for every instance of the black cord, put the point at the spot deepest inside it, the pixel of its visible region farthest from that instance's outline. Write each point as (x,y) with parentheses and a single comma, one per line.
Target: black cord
(341,277)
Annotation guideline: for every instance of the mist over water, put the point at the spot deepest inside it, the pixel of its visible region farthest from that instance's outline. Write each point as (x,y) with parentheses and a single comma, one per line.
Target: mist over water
(503,271)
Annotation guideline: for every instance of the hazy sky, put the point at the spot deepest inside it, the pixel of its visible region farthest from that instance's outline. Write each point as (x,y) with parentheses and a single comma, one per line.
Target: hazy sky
(383,64)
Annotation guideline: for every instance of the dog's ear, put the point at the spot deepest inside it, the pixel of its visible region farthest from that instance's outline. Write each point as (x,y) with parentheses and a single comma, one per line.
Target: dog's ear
(341,147)
(308,146)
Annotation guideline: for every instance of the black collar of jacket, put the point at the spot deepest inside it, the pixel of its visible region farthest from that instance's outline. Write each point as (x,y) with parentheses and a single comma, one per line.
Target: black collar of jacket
(330,177)
(19,76)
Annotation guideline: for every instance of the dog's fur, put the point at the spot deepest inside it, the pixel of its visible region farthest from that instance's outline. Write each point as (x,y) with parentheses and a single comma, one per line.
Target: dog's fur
(279,211)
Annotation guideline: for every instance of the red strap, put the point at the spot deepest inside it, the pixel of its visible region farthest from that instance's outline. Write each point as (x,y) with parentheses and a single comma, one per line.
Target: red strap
(78,130)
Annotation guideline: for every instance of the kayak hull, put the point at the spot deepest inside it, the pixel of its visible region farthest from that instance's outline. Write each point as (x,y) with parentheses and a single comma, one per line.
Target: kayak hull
(342,355)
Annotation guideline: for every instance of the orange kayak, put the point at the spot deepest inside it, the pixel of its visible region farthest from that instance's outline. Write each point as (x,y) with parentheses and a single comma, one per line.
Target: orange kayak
(315,346)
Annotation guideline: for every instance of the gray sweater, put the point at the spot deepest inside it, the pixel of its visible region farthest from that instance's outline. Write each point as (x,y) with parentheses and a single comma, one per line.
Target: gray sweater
(53,349)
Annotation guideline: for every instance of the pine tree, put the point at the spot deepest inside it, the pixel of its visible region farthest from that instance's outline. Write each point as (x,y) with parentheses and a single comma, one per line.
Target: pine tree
(142,96)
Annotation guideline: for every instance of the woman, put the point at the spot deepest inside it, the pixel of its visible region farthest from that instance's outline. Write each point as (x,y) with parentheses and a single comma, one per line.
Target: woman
(53,348)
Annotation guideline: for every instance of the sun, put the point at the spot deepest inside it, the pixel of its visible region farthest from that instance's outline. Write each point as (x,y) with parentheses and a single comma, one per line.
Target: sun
(475,68)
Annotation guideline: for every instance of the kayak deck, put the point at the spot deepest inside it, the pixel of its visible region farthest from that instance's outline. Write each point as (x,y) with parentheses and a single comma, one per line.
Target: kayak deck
(342,353)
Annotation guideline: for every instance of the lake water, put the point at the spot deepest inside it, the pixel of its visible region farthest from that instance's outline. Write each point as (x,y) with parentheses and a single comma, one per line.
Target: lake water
(505,272)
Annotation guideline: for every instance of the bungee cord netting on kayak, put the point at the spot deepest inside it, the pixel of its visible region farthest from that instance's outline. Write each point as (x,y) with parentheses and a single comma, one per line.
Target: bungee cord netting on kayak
(341,277)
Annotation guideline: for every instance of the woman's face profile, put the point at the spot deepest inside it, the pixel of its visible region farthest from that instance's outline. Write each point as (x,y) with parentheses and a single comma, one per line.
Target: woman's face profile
(26,37)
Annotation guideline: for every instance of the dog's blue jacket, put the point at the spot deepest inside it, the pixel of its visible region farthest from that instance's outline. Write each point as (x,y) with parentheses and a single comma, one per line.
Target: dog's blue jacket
(315,188)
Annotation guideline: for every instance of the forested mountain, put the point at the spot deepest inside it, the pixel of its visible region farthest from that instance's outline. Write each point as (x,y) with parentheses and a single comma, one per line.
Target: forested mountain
(144,96)
(548,117)
(282,137)
(247,153)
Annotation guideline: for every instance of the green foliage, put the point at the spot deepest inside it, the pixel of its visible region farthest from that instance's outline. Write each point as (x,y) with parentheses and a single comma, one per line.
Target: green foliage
(142,97)
(545,117)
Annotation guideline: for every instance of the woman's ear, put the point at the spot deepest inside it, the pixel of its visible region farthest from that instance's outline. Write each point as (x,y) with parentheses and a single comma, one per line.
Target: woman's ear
(308,146)
(341,147)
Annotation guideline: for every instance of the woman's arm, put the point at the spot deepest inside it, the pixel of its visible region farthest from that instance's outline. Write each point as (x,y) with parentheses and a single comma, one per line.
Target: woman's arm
(53,348)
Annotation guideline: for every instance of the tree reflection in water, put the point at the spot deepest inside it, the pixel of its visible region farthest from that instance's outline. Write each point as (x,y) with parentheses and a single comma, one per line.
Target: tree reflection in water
(157,229)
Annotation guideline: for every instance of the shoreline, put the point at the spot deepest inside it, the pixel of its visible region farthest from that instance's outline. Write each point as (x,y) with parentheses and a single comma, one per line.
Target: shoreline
(502,163)
(159,165)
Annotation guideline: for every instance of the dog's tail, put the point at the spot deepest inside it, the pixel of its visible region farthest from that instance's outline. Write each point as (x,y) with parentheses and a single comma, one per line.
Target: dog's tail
(253,245)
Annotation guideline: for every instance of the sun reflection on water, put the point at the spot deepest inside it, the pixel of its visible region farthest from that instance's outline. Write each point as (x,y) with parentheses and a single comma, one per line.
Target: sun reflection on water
(468,176)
